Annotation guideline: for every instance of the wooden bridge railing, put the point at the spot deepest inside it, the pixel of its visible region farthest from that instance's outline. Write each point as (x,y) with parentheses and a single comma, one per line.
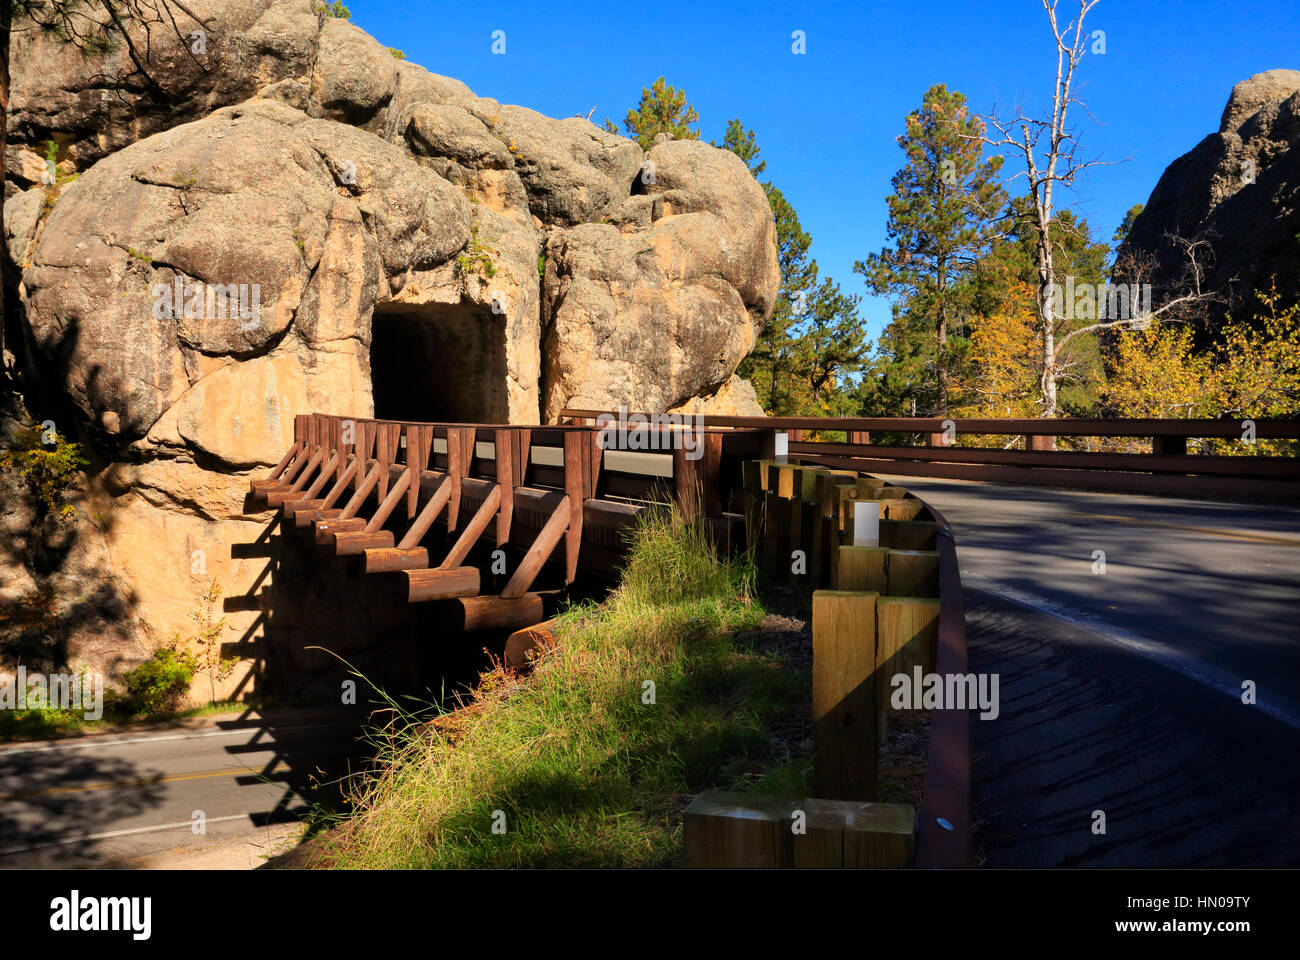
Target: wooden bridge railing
(374,489)
(1168,469)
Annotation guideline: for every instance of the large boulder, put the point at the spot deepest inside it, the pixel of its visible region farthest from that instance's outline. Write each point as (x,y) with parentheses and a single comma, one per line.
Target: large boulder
(1238,191)
(662,303)
(277,216)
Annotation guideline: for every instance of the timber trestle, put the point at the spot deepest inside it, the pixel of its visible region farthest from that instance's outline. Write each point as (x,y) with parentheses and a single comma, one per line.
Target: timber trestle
(411,501)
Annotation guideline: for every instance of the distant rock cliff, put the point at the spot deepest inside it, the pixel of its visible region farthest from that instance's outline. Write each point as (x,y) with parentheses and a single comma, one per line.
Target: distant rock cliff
(295,220)
(1239,191)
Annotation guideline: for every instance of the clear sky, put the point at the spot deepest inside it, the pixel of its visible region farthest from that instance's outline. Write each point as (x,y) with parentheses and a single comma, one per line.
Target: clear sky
(827,120)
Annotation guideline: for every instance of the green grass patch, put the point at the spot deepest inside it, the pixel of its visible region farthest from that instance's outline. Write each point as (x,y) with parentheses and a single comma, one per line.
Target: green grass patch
(584,763)
(41,724)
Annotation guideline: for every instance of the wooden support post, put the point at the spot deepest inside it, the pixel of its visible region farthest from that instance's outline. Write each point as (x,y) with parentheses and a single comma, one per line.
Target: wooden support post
(907,637)
(388,437)
(346,443)
(862,568)
(897,509)
(292,503)
(861,437)
(912,573)
(539,552)
(686,484)
(847,833)
(504,443)
(390,502)
(459,455)
(521,455)
(575,458)
(711,464)
(844,694)
(362,492)
(738,830)
(427,516)
(1169,446)
(753,501)
(419,445)
(1036,442)
(473,530)
(908,534)
(368,432)
(426,585)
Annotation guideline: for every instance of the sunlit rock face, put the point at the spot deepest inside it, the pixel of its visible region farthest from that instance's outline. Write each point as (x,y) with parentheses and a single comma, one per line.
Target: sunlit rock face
(1238,191)
(285,218)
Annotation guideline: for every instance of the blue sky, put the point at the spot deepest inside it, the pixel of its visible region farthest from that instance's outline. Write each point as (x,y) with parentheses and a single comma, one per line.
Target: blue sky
(827,120)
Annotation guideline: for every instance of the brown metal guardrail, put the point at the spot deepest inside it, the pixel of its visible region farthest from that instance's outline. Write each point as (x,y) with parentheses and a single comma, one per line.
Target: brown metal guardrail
(1168,469)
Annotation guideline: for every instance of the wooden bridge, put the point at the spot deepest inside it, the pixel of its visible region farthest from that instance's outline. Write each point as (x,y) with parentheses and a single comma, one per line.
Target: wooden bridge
(375,490)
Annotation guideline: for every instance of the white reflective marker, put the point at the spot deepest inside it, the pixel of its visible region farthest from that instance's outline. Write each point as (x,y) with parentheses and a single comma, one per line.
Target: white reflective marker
(866,523)
(782,447)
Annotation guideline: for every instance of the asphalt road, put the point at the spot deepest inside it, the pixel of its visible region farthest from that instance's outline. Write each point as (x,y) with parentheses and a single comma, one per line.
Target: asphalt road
(130,799)
(1121,691)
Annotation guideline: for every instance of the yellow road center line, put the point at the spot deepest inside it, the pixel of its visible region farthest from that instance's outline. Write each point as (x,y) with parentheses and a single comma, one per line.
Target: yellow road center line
(1255,537)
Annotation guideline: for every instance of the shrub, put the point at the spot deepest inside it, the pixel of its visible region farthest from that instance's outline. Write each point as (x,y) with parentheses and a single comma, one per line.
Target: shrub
(48,468)
(159,684)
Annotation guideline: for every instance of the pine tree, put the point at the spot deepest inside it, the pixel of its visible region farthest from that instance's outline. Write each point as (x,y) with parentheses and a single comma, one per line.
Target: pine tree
(942,220)
(663,109)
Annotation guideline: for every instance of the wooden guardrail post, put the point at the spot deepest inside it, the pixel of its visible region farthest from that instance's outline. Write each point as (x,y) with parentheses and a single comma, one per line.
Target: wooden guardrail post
(723,829)
(844,694)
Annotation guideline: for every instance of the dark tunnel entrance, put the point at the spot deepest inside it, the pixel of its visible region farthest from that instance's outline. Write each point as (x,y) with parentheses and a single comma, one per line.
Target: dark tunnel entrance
(438,362)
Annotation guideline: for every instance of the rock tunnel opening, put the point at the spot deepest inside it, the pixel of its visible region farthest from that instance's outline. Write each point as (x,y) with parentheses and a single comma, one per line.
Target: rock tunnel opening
(438,362)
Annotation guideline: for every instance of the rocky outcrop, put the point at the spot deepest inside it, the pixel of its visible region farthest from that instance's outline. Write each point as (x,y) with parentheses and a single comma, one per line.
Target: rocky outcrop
(269,214)
(1239,191)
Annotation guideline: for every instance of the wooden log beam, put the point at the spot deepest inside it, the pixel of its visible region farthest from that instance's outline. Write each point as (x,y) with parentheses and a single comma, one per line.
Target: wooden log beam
(524,644)
(498,613)
(426,585)
(391,559)
(353,544)
(326,529)
(539,552)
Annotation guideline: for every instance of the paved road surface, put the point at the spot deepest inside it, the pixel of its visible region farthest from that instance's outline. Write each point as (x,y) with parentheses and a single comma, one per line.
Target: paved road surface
(129,799)
(1121,691)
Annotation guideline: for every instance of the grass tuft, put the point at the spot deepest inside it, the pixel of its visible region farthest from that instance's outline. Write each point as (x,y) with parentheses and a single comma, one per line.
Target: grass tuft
(573,762)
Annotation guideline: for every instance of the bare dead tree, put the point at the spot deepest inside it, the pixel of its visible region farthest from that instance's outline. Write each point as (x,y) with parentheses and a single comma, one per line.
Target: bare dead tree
(1048,148)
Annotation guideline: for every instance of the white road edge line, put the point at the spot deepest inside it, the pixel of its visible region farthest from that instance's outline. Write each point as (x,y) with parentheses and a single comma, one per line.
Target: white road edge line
(1276,706)
(109,741)
(117,833)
